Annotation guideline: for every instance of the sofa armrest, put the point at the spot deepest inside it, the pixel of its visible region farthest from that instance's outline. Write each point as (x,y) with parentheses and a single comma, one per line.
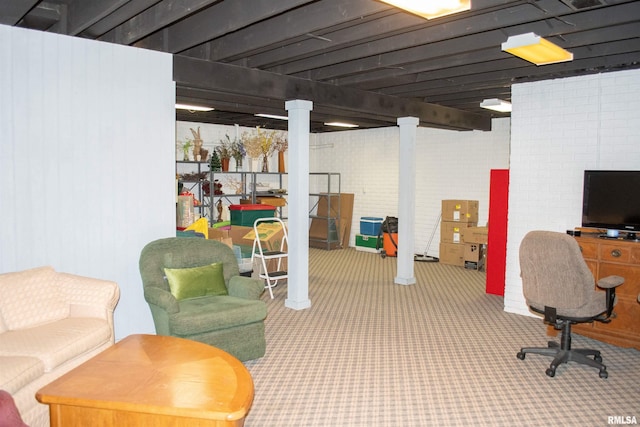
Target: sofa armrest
(245,287)
(161,298)
(89,297)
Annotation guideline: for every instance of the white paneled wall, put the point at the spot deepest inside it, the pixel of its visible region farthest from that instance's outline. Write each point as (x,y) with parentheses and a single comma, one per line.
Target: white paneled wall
(559,128)
(87,133)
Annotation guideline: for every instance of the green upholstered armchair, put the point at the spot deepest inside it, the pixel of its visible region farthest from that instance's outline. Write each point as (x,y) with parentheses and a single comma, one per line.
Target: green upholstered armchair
(233,322)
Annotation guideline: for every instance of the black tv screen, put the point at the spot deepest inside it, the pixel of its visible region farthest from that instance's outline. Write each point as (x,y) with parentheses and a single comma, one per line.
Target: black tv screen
(611,200)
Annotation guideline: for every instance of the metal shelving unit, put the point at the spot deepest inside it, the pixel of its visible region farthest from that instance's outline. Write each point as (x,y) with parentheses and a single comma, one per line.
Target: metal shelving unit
(324,231)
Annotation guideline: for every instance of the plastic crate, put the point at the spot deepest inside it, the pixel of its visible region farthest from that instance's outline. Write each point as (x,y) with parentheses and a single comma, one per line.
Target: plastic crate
(246,215)
(370,226)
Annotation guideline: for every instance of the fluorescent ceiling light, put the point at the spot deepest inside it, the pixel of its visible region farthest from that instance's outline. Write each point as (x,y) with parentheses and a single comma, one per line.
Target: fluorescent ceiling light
(536,49)
(431,9)
(192,107)
(496,104)
(272,116)
(341,124)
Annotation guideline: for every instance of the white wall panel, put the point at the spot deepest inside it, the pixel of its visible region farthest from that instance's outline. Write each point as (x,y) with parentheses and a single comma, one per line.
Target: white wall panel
(87,136)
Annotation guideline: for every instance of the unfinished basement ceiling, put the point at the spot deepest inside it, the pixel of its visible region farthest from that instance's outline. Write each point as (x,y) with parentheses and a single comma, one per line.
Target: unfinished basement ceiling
(359,61)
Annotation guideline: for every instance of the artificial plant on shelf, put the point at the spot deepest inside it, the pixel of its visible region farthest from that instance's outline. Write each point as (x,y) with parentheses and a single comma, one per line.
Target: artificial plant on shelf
(186,145)
(280,145)
(224,152)
(251,143)
(214,163)
(259,144)
(197,143)
(237,151)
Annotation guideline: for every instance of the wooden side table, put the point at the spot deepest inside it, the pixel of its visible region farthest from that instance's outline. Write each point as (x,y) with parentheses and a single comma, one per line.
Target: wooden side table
(152,380)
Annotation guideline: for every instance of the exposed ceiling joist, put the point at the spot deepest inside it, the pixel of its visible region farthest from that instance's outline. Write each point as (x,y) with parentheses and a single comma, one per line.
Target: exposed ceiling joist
(358,60)
(232,79)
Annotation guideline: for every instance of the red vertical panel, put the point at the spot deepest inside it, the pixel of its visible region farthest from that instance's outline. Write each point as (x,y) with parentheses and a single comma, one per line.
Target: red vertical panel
(497,240)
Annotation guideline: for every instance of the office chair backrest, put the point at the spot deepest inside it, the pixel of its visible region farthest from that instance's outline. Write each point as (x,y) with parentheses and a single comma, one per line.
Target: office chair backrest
(553,271)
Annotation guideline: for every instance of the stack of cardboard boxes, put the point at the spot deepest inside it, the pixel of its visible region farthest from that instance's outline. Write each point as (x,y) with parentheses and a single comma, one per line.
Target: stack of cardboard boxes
(240,234)
(460,220)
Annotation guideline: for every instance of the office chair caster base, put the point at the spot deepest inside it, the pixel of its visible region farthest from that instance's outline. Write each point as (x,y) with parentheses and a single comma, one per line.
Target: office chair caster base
(551,372)
(603,374)
(521,355)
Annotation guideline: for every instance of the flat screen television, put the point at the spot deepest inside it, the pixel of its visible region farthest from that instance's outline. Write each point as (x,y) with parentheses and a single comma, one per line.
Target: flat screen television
(611,200)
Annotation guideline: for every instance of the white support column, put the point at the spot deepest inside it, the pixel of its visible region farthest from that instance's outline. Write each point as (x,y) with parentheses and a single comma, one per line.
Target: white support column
(298,262)
(406,200)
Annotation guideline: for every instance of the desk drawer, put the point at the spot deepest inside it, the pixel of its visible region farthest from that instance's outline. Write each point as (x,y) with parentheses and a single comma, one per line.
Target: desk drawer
(615,253)
(589,249)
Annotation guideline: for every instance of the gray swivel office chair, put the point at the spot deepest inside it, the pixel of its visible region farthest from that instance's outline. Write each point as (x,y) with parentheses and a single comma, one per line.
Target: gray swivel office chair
(558,284)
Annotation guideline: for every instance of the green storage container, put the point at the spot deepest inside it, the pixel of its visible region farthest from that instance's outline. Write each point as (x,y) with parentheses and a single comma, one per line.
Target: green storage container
(367,243)
(246,215)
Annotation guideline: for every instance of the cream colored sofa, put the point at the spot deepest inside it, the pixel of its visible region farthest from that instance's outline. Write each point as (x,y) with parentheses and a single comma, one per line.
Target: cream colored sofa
(50,322)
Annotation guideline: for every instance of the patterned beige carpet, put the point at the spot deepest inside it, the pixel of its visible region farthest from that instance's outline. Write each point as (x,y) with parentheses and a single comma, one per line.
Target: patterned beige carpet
(440,352)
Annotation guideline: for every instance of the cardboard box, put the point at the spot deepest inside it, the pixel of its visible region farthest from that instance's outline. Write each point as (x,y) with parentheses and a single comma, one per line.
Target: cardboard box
(475,235)
(452,254)
(472,252)
(221,235)
(452,231)
(460,210)
(273,201)
(270,238)
(474,256)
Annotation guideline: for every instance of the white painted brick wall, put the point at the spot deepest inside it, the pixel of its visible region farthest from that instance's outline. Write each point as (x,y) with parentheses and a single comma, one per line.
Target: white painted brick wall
(559,128)
(450,165)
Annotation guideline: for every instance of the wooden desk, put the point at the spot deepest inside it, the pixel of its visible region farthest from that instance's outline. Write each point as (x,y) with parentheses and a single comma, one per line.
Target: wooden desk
(606,257)
(149,380)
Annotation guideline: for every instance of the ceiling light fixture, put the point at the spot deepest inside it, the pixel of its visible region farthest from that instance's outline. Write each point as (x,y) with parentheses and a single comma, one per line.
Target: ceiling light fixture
(496,104)
(341,124)
(271,116)
(193,107)
(431,9)
(536,49)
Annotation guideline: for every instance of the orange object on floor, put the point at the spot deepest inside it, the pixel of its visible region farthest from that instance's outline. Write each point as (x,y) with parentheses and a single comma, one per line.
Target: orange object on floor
(390,248)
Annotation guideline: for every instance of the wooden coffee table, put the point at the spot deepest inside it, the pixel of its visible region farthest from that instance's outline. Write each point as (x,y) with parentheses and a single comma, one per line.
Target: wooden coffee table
(151,380)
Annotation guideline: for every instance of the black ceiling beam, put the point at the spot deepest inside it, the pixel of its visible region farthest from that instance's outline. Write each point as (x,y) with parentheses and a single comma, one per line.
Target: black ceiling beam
(352,58)
(153,19)
(476,61)
(368,28)
(296,23)
(12,11)
(81,15)
(117,18)
(192,72)
(444,50)
(215,21)
(335,36)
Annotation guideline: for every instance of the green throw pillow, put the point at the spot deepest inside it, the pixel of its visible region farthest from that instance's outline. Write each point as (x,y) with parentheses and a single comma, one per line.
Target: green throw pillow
(196,281)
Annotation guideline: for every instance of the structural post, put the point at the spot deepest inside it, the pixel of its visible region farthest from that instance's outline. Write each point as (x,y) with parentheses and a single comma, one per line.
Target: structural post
(406,200)
(298,223)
